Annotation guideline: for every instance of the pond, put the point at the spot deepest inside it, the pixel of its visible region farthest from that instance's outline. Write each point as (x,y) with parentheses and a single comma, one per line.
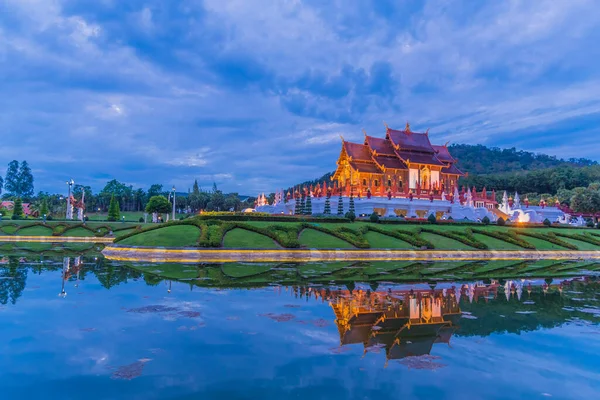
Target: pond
(89,328)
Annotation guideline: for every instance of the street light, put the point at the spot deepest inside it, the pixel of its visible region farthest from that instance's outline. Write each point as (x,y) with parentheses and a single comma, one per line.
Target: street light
(123,219)
(173,189)
(69,213)
(44,218)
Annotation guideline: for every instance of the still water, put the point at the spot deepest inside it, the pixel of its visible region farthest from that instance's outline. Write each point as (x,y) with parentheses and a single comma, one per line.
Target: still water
(86,328)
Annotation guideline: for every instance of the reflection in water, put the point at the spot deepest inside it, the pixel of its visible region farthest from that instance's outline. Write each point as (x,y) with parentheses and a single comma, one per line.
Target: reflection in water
(404,322)
(175,330)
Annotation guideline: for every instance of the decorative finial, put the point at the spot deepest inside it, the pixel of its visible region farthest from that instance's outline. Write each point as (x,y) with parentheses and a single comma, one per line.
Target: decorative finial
(427,132)
(386,126)
(341,137)
(446,145)
(407,128)
(365,132)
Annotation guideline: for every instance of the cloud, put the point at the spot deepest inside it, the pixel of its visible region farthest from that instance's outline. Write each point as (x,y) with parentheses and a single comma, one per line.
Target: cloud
(258,93)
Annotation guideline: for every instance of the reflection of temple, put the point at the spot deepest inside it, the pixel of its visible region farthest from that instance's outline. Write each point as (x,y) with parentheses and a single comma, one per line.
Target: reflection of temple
(405,323)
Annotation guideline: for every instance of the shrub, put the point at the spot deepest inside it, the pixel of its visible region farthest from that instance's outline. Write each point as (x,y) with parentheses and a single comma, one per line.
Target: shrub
(508,237)
(547,222)
(408,237)
(374,218)
(49,218)
(590,223)
(432,219)
(18,209)
(500,221)
(450,218)
(485,220)
(465,237)
(549,237)
(350,216)
(114,211)
(141,219)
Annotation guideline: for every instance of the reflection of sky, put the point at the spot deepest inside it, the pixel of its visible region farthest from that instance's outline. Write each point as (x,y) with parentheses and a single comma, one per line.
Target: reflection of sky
(68,348)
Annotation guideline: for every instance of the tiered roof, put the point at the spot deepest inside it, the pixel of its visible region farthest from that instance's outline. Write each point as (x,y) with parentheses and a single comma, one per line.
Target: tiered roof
(396,151)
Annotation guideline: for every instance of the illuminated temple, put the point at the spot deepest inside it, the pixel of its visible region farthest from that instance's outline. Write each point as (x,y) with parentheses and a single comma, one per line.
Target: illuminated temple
(402,174)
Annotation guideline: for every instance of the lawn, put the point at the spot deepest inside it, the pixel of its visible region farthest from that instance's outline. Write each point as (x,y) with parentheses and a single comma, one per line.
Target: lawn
(35,231)
(444,243)
(314,239)
(78,232)
(169,236)
(243,239)
(379,241)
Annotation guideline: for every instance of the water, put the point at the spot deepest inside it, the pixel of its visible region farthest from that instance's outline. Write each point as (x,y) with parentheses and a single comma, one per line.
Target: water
(122,331)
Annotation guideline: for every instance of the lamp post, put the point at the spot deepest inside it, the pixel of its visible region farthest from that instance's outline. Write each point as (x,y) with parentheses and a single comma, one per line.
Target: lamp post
(173,189)
(44,218)
(69,213)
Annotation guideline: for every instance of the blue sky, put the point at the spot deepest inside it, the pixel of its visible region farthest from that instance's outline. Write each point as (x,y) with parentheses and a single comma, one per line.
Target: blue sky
(254,95)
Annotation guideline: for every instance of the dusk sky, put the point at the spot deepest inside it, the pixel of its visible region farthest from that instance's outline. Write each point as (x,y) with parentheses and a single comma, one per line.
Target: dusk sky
(255,94)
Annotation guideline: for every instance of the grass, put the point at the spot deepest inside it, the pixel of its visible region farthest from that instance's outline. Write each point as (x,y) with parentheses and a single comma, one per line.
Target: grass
(444,243)
(169,236)
(243,239)
(78,232)
(580,244)
(319,240)
(35,231)
(496,244)
(378,240)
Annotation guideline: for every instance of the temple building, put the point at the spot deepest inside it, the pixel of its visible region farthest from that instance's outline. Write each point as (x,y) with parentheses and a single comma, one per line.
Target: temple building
(403,161)
(402,174)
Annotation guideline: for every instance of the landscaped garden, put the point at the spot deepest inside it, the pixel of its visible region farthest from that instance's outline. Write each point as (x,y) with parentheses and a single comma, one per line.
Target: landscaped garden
(263,233)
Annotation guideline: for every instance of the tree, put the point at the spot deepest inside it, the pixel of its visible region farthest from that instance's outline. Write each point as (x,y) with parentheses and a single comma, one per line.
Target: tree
(158,204)
(351,206)
(308,205)
(485,220)
(11,182)
(1,184)
(155,190)
(302,205)
(432,218)
(196,188)
(297,209)
(500,221)
(586,201)
(44,207)
(351,216)
(114,211)
(547,222)
(340,210)
(271,198)
(18,209)
(232,202)
(327,210)
(217,201)
(374,218)
(25,180)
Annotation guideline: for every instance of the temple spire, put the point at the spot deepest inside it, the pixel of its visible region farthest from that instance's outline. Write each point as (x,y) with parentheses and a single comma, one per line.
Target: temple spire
(407,128)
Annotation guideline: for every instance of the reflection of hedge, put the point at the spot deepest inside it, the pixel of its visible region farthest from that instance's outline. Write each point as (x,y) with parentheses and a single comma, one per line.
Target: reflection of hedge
(465,237)
(408,237)
(508,237)
(549,237)
(582,237)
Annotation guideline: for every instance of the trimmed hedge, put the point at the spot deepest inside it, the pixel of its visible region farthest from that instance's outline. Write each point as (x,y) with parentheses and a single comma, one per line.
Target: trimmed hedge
(408,237)
(351,236)
(243,217)
(582,237)
(508,237)
(549,237)
(465,237)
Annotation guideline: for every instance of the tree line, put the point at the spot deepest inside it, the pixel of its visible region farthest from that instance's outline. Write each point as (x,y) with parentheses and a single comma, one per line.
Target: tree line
(18,185)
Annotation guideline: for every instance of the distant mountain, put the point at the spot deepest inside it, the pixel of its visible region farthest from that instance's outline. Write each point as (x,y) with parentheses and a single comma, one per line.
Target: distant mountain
(480,160)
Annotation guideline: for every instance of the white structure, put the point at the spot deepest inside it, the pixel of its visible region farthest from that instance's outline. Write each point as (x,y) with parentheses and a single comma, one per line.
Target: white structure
(421,208)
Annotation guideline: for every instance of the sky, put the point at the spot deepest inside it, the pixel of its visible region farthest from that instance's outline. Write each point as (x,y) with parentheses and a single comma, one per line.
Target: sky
(254,95)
